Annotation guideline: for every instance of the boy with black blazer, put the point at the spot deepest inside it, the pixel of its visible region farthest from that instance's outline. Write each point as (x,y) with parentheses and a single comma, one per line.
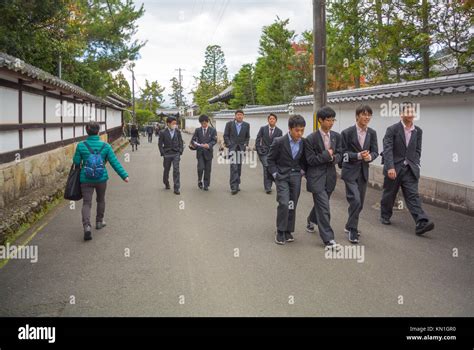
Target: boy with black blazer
(265,137)
(401,158)
(170,143)
(323,150)
(203,141)
(286,163)
(359,148)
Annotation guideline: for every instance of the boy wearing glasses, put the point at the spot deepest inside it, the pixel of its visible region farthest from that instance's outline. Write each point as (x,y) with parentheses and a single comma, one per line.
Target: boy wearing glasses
(359,148)
(323,150)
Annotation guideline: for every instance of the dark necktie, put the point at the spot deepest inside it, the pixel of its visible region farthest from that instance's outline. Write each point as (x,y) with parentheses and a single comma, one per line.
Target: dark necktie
(271,133)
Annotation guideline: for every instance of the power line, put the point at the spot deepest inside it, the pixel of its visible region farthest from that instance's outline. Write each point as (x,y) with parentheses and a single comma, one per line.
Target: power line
(220,19)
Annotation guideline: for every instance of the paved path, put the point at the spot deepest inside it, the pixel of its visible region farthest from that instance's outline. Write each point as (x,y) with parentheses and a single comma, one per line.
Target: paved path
(182,260)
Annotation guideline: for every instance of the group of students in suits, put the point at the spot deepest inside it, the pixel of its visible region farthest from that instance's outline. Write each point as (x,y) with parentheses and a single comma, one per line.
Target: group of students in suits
(286,159)
(290,157)
(171,146)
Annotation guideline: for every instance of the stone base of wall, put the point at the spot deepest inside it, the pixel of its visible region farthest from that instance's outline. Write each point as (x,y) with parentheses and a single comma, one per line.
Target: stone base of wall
(436,192)
(30,185)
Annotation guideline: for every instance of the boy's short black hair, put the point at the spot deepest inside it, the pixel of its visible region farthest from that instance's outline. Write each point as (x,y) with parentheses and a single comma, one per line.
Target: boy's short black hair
(92,128)
(363,109)
(296,120)
(239,111)
(325,112)
(170,120)
(203,118)
(272,115)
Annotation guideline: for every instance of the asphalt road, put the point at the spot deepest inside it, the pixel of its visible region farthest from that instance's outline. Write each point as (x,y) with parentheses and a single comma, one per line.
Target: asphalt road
(213,254)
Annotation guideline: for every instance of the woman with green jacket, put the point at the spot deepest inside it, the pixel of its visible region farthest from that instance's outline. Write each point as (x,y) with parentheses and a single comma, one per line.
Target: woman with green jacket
(89,183)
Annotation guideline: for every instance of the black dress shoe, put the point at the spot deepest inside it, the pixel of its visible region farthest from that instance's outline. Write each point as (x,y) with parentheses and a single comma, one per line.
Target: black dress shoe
(177,192)
(289,237)
(385,221)
(200,185)
(206,188)
(268,191)
(87,233)
(424,226)
(167,186)
(234,191)
(280,237)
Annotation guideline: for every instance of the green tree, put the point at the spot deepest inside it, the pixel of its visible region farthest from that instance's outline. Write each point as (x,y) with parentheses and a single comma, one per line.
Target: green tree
(121,86)
(151,96)
(91,38)
(212,79)
(244,89)
(177,95)
(272,65)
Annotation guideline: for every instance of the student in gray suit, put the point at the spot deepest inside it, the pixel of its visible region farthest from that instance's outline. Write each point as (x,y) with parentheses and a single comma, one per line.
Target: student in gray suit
(203,141)
(359,148)
(170,143)
(323,150)
(286,163)
(236,139)
(401,158)
(264,139)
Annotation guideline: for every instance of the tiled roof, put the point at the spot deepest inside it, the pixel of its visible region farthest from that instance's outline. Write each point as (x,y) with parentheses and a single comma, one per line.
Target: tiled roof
(450,84)
(21,67)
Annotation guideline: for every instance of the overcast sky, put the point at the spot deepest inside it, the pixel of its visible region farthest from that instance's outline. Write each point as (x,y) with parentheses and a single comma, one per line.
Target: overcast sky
(178,32)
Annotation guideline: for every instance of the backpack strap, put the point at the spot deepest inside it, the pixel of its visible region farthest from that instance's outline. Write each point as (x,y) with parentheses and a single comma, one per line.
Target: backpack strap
(92,151)
(89,147)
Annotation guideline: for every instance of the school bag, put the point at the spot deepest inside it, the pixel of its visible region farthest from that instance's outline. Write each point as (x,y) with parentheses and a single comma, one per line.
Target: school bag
(94,166)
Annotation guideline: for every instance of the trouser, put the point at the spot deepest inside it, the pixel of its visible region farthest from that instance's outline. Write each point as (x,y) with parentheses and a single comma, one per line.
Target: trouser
(355,195)
(87,192)
(169,160)
(409,184)
(267,181)
(204,167)
(320,214)
(288,192)
(235,169)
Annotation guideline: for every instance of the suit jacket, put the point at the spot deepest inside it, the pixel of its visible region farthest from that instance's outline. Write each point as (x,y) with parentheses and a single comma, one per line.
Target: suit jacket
(351,166)
(321,174)
(170,146)
(210,138)
(395,151)
(280,159)
(236,142)
(264,141)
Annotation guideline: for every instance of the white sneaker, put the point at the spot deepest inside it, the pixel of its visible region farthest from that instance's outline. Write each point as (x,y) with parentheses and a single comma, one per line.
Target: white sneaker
(332,245)
(346,231)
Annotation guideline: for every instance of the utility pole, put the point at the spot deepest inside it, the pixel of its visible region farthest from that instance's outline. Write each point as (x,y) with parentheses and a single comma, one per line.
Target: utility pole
(180,79)
(130,67)
(319,53)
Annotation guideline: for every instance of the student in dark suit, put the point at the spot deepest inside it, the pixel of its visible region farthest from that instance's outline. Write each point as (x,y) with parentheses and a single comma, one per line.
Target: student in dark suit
(286,163)
(236,139)
(170,143)
(359,148)
(323,150)
(203,141)
(264,139)
(401,158)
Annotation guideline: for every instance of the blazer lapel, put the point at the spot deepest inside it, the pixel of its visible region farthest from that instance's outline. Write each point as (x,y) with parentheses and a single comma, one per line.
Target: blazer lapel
(367,140)
(320,140)
(402,133)
(287,145)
